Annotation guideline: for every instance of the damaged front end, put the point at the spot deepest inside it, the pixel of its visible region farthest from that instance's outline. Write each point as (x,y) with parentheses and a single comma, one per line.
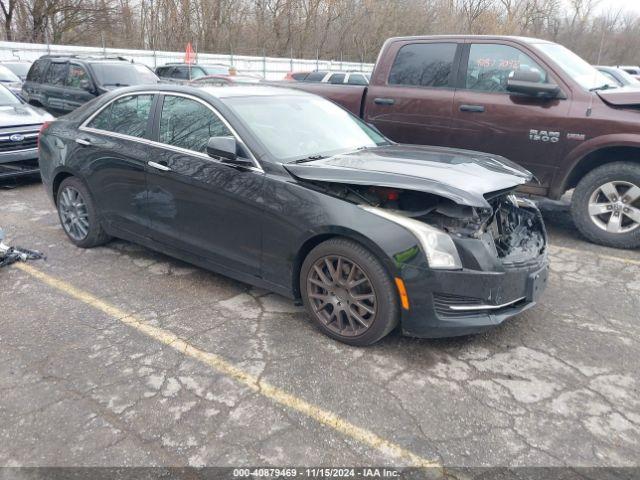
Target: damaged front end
(511,228)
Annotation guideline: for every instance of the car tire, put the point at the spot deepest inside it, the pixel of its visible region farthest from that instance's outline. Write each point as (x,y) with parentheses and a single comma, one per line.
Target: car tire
(339,301)
(594,193)
(78,214)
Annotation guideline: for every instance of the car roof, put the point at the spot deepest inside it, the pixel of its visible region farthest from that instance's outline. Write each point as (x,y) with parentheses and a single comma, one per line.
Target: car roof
(219,92)
(472,37)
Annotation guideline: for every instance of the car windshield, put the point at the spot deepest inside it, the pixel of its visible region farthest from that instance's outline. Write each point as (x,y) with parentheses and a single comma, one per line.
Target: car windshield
(297,127)
(629,79)
(123,74)
(7,76)
(20,69)
(7,98)
(582,72)
(215,69)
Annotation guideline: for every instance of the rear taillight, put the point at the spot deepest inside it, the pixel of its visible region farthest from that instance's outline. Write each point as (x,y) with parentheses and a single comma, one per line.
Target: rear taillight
(43,127)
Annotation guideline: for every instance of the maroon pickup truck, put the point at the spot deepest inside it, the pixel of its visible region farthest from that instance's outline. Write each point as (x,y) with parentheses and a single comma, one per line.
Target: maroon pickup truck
(532,101)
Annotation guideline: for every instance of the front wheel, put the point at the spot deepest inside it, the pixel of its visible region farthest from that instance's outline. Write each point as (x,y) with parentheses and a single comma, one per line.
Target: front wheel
(606,205)
(348,293)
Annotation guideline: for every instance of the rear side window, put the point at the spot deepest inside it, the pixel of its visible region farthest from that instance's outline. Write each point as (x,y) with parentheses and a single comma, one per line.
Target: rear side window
(127,115)
(299,76)
(491,65)
(357,79)
(315,76)
(337,78)
(57,74)
(423,65)
(188,124)
(36,72)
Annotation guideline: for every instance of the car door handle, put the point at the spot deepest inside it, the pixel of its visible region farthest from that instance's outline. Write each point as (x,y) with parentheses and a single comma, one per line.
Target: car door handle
(472,108)
(159,166)
(384,101)
(84,142)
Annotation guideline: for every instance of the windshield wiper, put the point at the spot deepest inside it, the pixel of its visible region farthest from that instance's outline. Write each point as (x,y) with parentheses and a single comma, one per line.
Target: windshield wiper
(115,85)
(309,159)
(606,86)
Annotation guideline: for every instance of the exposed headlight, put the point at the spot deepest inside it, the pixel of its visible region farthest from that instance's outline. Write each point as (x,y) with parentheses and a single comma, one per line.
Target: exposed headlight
(438,246)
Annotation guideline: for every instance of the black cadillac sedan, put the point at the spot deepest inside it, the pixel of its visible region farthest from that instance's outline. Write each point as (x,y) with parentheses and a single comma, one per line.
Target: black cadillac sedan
(287,191)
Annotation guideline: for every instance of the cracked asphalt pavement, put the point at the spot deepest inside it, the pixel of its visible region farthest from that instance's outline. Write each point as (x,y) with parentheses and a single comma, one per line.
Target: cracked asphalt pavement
(556,386)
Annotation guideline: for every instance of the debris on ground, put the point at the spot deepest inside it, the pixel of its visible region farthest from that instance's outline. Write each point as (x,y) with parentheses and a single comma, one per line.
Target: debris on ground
(9,255)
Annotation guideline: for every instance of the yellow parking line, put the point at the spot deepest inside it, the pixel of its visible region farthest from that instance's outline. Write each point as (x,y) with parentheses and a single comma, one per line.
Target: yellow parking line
(220,365)
(628,261)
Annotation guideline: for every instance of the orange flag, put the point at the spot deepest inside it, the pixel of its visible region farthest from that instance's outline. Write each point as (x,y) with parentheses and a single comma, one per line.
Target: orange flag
(189,56)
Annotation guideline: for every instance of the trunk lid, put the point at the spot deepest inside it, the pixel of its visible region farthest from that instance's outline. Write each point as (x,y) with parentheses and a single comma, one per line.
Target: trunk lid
(460,175)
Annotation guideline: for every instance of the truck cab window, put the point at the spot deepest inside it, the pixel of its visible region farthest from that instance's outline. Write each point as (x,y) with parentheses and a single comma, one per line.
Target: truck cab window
(423,65)
(491,65)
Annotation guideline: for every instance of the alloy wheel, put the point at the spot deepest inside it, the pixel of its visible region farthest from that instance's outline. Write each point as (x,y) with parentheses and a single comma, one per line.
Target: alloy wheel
(342,295)
(614,207)
(73,213)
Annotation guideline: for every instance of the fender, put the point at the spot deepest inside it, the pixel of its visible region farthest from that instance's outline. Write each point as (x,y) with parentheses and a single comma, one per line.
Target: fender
(575,156)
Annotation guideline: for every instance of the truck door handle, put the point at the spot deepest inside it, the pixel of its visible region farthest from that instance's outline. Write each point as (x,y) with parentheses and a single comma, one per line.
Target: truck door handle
(84,142)
(472,108)
(384,101)
(159,166)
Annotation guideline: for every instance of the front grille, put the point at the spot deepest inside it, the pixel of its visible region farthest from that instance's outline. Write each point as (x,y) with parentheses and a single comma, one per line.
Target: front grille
(15,140)
(443,302)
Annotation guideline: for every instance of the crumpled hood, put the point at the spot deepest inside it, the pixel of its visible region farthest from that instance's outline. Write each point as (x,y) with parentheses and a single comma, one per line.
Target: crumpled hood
(621,97)
(18,115)
(461,175)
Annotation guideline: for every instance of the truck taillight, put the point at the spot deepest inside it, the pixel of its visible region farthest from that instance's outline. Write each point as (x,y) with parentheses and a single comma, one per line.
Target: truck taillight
(43,127)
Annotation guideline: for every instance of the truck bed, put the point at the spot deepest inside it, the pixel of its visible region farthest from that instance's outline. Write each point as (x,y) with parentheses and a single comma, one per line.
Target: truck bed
(350,97)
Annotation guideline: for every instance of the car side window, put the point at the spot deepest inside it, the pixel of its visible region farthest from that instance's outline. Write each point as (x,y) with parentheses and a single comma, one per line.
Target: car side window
(57,73)
(491,65)
(127,115)
(337,78)
(423,65)
(197,72)
(37,70)
(315,76)
(181,73)
(357,79)
(76,75)
(189,124)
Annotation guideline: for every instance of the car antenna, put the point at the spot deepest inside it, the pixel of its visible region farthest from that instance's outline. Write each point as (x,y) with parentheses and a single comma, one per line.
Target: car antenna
(597,63)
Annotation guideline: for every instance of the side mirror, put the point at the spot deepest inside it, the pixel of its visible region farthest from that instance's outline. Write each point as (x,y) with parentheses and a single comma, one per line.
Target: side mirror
(225,148)
(529,82)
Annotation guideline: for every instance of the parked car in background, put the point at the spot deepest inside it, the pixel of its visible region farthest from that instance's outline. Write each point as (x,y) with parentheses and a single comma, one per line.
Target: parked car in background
(19,127)
(326,76)
(225,80)
(631,70)
(10,80)
(19,67)
(532,101)
(184,72)
(618,76)
(61,84)
(290,192)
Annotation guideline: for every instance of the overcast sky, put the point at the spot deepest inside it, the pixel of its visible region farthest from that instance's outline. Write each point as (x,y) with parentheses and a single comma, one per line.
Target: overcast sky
(614,5)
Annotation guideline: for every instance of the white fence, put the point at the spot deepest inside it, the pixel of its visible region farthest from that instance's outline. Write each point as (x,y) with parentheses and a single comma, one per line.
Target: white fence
(268,67)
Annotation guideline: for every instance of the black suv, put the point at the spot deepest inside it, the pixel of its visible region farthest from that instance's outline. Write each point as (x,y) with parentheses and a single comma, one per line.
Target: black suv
(63,83)
(183,72)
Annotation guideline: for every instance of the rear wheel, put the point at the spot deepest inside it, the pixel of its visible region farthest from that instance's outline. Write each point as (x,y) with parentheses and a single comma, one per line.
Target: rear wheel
(348,292)
(606,205)
(78,214)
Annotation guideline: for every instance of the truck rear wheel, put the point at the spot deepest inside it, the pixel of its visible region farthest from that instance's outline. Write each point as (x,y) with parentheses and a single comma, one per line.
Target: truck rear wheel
(606,205)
